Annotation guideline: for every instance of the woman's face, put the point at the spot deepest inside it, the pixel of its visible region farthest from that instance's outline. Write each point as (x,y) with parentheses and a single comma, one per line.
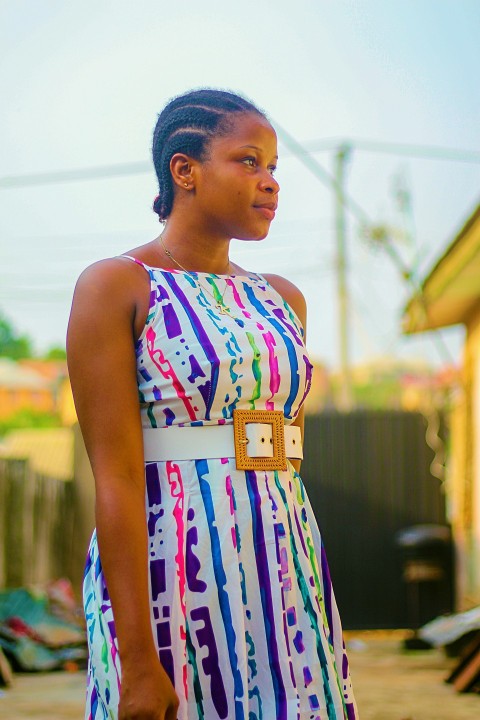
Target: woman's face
(235,191)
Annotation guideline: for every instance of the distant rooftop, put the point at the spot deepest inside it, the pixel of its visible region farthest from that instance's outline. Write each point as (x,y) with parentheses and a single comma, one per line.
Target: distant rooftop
(451,290)
(49,451)
(13,375)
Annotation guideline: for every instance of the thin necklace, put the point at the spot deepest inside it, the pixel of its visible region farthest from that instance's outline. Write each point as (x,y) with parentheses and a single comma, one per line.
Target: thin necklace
(218,299)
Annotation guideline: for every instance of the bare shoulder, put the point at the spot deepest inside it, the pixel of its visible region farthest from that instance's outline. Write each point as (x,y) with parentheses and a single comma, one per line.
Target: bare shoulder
(109,275)
(112,284)
(111,290)
(291,294)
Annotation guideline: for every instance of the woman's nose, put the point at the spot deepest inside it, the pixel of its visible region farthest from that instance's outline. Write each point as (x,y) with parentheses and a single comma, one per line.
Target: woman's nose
(269,184)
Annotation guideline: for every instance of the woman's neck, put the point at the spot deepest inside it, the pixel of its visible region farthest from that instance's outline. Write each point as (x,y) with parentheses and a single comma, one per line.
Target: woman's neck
(190,250)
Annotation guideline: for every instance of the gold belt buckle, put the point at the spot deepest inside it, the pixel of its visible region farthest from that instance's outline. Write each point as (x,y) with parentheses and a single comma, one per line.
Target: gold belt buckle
(275,418)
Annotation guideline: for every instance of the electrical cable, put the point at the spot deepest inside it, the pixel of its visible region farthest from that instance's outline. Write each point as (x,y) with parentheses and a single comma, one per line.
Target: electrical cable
(304,153)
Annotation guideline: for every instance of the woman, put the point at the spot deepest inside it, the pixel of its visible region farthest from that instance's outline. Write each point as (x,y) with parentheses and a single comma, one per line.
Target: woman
(219,602)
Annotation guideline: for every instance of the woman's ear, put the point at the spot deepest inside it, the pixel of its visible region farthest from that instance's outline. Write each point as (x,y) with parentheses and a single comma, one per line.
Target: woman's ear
(181,167)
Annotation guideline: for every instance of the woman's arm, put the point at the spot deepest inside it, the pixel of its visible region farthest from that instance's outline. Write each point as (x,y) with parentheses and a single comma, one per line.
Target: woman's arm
(292,295)
(101,362)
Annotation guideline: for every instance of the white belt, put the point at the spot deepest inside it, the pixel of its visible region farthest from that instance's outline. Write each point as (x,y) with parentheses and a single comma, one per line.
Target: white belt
(258,439)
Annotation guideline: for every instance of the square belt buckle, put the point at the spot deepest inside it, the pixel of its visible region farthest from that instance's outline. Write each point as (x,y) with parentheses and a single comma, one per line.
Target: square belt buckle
(275,418)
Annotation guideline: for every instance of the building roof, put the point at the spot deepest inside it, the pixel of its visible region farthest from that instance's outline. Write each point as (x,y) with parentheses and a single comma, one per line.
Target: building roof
(49,451)
(12,375)
(451,290)
(51,370)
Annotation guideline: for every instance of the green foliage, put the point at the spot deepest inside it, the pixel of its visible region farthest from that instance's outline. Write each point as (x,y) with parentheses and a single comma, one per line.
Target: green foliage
(56,353)
(27,418)
(383,394)
(380,393)
(12,344)
(19,347)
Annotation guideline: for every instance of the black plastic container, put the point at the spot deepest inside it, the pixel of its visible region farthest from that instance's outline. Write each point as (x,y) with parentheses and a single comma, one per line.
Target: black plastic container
(427,570)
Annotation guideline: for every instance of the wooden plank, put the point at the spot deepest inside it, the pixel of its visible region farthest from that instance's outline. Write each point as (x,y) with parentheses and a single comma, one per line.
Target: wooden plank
(466,655)
(469,675)
(14,538)
(6,675)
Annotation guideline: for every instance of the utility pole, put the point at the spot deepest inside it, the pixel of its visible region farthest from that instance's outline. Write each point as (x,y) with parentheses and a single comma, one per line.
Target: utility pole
(345,400)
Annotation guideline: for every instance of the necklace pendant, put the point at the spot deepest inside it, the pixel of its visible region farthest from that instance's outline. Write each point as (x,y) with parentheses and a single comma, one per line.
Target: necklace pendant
(222,309)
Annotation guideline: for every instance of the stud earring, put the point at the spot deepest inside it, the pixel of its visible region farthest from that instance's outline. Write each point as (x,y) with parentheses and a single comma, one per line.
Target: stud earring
(186,184)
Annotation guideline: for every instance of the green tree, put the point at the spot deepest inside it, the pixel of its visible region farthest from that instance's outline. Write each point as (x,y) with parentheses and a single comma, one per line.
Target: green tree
(56,352)
(12,344)
(28,418)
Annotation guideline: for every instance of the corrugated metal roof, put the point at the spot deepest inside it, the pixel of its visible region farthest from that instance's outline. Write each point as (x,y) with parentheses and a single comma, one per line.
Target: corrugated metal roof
(466,227)
(49,451)
(12,375)
(450,291)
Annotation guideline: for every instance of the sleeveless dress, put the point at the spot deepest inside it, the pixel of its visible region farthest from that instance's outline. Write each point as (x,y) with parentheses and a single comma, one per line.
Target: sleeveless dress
(242,608)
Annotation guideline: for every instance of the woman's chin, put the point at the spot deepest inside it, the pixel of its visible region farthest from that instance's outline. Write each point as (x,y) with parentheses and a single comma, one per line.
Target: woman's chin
(257,237)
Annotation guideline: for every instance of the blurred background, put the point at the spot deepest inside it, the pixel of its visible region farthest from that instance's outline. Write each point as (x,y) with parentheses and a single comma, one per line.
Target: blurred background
(391,83)
(376,106)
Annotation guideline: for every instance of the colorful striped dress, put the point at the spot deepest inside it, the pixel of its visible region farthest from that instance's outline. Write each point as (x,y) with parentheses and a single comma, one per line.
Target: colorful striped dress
(242,608)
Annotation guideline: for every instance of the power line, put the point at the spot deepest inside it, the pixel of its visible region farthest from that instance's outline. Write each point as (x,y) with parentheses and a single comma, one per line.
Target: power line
(320,173)
(295,148)
(365,222)
(304,153)
(426,152)
(64,176)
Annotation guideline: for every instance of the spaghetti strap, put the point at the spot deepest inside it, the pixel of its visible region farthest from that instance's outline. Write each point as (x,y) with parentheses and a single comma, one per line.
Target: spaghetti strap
(136,260)
(153,305)
(235,558)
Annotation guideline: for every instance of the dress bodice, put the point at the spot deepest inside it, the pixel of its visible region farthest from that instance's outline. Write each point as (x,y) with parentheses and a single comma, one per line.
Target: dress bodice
(197,362)
(242,610)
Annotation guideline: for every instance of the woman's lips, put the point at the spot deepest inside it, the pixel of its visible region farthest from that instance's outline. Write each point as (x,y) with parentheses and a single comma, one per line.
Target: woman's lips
(267,211)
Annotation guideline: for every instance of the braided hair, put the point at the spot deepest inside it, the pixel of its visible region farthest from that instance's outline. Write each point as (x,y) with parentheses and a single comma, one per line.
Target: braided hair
(187,125)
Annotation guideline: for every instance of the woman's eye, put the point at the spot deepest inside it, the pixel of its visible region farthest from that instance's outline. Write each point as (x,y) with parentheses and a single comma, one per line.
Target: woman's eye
(252,162)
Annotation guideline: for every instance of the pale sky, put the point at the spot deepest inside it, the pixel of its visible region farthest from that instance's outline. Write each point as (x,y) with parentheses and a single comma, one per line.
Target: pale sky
(81,87)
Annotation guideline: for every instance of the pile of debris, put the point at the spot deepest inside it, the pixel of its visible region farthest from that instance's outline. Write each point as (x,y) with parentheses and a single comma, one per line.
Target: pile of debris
(460,635)
(40,630)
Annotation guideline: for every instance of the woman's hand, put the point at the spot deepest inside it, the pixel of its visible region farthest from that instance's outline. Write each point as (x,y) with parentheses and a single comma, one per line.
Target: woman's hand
(147,696)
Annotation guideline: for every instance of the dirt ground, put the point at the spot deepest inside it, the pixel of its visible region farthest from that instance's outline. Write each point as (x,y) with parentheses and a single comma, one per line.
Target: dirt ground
(390,684)
(393,684)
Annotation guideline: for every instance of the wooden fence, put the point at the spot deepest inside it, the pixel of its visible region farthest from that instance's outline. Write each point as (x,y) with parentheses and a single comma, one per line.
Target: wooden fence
(367,475)
(36,525)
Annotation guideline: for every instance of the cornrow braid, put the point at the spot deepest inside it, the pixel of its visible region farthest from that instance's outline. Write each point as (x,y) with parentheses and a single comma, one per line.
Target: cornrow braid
(187,125)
